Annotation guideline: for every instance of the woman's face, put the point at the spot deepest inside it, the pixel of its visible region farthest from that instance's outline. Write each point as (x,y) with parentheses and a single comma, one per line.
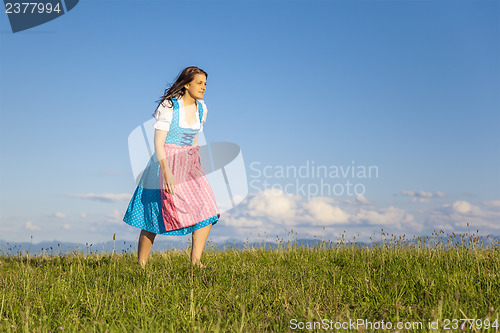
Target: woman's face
(197,87)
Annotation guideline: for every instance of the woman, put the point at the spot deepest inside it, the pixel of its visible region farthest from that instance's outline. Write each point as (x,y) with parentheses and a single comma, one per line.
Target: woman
(173,196)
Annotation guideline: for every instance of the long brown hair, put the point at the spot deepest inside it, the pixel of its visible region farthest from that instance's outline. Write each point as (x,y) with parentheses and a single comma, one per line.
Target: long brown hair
(177,88)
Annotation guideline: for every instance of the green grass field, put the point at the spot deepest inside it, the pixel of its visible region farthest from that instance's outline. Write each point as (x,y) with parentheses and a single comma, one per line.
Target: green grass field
(257,290)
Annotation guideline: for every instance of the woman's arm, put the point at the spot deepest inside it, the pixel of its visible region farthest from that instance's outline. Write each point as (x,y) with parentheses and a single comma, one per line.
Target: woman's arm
(169,180)
(160,137)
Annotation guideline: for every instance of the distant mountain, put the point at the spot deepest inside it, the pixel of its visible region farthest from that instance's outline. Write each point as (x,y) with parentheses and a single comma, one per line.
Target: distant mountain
(120,246)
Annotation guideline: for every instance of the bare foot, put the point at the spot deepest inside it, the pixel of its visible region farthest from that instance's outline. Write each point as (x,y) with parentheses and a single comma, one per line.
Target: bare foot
(199,264)
(142,264)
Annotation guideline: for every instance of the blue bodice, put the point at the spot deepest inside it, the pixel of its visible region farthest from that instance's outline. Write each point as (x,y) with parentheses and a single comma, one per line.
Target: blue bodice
(180,135)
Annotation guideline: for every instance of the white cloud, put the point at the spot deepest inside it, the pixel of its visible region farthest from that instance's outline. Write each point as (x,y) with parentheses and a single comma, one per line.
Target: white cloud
(390,216)
(60,215)
(495,203)
(104,197)
(323,213)
(241,221)
(408,193)
(115,217)
(463,216)
(420,200)
(326,216)
(362,199)
(30,226)
(422,196)
(462,207)
(281,209)
(275,205)
(66,226)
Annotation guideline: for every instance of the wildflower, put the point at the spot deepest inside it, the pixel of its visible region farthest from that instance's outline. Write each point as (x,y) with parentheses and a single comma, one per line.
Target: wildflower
(307,308)
(462,327)
(88,293)
(492,309)
(61,328)
(366,280)
(81,299)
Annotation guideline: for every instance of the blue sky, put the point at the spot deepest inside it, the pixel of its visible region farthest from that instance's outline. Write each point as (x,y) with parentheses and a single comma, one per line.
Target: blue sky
(411,87)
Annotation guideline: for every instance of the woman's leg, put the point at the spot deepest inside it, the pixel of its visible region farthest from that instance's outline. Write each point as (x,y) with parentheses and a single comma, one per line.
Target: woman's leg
(199,239)
(146,240)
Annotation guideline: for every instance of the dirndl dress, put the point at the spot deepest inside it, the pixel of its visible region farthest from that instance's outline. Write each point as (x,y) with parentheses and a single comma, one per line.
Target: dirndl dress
(193,205)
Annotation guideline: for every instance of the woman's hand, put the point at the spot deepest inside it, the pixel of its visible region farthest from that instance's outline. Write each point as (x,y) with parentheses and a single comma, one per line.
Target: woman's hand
(169,183)
(168,177)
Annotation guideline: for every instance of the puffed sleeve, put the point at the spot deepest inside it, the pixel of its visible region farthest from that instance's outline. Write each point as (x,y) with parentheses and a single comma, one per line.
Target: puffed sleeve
(204,118)
(163,116)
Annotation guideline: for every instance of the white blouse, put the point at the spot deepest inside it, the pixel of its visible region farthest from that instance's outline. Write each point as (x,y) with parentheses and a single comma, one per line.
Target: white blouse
(164,114)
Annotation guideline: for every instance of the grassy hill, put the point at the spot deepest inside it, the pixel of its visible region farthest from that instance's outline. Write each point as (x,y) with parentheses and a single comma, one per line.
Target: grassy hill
(285,289)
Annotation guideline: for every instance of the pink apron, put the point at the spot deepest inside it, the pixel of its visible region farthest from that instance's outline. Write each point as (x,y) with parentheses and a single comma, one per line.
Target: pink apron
(193,199)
